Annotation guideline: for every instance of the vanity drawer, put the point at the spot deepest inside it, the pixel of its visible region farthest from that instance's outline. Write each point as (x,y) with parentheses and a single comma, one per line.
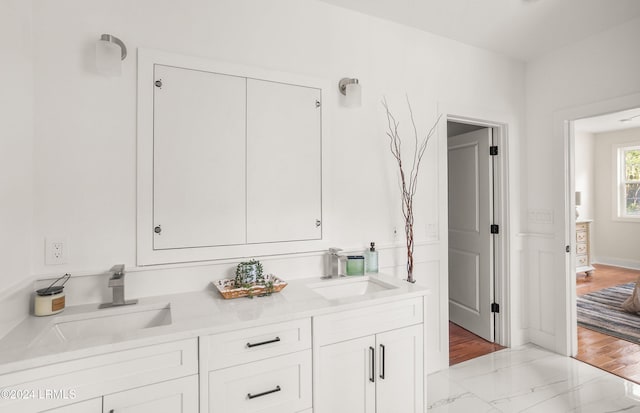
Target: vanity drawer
(276,385)
(251,344)
(581,226)
(346,325)
(95,376)
(581,249)
(581,261)
(581,236)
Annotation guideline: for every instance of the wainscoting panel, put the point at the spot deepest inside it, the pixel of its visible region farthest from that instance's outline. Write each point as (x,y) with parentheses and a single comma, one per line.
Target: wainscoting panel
(541,280)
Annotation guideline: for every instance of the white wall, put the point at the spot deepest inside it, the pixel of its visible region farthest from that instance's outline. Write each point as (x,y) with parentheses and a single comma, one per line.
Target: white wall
(585,173)
(616,242)
(85,124)
(16,154)
(599,68)
(85,129)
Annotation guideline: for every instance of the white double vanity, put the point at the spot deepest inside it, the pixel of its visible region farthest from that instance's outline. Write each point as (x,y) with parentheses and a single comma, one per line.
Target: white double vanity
(300,350)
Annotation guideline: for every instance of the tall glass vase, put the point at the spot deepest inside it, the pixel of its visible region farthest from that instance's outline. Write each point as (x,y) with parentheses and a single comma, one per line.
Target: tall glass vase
(409,234)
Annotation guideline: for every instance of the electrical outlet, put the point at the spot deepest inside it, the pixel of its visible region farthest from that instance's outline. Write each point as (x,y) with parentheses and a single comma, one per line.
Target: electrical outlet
(55,251)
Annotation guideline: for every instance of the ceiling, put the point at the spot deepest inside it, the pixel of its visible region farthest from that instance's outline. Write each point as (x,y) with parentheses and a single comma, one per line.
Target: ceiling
(609,122)
(522,29)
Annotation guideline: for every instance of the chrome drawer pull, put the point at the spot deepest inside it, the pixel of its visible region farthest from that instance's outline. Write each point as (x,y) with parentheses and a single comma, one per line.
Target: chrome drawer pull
(262,343)
(264,393)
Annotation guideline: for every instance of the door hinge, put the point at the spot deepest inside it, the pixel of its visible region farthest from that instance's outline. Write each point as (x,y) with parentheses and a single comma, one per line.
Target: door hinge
(495,229)
(495,307)
(567,248)
(493,150)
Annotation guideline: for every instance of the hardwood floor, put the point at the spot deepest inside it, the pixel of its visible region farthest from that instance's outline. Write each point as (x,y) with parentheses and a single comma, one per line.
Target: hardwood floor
(608,353)
(605,276)
(464,345)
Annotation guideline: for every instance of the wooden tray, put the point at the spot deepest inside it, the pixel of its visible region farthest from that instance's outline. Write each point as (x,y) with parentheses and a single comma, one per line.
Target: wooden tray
(228,290)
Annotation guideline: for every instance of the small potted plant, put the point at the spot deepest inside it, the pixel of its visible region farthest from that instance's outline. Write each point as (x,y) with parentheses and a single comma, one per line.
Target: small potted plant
(249,273)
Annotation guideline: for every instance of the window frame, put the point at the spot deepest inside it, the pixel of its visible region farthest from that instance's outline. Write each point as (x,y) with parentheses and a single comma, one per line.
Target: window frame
(620,181)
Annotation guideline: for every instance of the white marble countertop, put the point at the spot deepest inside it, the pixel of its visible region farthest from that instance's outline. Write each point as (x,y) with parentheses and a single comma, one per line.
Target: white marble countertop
(192,314)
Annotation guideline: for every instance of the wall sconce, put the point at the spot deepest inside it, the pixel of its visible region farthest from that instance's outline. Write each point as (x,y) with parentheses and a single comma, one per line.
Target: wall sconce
(110,52)
(352,91)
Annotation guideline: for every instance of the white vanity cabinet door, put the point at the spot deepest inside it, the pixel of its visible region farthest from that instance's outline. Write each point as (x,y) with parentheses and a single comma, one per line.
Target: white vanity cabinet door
(275,385)
(87,406)
(370,359)
(283,162)
(346,371)
(174,396)
(198,159)
(399,380)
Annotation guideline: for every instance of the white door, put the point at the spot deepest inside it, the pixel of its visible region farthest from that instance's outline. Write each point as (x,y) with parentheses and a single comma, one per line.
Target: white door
(399,379)
(347,377)
(198,140)
(173,396)
(283,162)
(470,238)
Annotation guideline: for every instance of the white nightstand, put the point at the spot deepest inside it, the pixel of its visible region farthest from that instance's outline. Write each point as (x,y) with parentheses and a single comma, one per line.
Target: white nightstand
(583,247)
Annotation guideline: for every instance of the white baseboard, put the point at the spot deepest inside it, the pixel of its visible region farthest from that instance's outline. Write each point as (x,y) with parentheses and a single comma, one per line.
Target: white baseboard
(617,262)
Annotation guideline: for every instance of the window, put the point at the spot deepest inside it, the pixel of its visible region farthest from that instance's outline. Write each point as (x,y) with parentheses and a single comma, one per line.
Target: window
(629,182)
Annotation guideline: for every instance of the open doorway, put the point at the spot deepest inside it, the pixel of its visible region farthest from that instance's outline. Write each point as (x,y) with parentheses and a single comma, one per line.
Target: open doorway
(606,178)
(473,209)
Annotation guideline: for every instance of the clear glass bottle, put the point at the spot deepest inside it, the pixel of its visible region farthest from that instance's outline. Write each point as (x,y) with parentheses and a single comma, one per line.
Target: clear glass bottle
(371,258)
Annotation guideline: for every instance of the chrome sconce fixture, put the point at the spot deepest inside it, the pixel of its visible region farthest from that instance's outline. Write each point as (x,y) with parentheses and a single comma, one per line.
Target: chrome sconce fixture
(352,91)
(110,52)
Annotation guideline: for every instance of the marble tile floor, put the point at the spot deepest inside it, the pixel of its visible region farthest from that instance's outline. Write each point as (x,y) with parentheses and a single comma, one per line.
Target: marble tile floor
(529,379)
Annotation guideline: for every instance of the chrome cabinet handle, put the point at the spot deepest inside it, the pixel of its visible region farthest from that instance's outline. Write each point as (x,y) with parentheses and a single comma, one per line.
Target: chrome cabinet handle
(264,393)
(372,357)
(262,343)
(382,362)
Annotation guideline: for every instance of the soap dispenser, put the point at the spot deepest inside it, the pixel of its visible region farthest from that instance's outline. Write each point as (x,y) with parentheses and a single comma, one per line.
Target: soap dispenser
(371,258)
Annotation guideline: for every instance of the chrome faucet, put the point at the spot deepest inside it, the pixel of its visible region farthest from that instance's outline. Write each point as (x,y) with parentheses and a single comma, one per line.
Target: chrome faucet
(333,259)
(116,282)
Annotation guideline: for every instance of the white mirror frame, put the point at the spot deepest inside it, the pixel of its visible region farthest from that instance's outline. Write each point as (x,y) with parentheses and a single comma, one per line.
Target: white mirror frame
(146,254)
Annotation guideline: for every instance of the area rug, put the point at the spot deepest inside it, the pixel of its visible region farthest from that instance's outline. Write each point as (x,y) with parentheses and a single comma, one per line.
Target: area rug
(601,311)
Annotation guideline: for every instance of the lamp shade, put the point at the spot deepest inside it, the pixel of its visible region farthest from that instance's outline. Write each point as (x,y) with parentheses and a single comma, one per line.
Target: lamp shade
(108,58)
(353,96)
(110,52)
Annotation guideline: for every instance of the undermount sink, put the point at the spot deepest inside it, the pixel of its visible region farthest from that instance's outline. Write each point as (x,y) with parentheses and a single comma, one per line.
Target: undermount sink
(352,286)
(112,322)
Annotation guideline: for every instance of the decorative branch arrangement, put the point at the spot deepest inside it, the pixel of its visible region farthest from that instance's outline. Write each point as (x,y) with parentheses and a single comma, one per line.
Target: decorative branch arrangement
(409,183)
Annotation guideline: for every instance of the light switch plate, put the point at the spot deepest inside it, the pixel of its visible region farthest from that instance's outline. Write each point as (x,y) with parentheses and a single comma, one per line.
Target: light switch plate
(540,216)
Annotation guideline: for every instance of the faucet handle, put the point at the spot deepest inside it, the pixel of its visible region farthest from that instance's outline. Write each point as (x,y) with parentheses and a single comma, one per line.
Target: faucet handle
(117,271)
